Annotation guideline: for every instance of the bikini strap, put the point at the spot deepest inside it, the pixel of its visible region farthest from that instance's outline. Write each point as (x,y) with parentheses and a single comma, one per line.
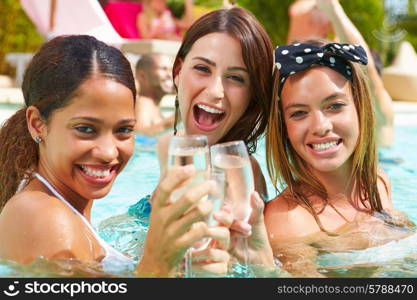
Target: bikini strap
(59,196)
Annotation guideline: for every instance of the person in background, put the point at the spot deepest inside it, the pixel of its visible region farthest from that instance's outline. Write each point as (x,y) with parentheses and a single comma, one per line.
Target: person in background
(157,22)
(154,75)
(315,19)
(307,21)
(321,148)
(223,79)
(66,147)
(347,32)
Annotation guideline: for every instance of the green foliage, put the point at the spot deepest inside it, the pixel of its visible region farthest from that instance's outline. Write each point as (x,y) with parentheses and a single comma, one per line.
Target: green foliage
(412,7)
(177,6)
(409,23)
(273,14)
(209,3)
(17,33)
(368,16)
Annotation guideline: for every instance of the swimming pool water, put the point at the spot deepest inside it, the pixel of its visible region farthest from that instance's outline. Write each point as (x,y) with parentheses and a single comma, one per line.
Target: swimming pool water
(395,259)
(141,175)
(400,162)
(139,179)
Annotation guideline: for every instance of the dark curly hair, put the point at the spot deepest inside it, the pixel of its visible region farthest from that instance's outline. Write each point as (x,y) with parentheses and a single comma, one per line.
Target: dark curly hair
(51,78)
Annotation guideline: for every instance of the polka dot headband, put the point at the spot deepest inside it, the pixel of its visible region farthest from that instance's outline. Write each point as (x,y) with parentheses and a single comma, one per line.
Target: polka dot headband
(290,59)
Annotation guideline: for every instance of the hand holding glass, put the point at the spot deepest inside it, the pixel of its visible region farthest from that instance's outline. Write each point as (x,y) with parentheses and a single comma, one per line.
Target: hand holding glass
(189,150)
(233,160)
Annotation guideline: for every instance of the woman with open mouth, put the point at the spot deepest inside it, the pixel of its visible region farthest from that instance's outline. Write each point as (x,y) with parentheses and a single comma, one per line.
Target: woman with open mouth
(223,78)
(64,150)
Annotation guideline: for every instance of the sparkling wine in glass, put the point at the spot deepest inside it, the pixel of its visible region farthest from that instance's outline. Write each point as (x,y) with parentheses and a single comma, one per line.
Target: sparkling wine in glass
(216,197)
(233,160)
(189,150)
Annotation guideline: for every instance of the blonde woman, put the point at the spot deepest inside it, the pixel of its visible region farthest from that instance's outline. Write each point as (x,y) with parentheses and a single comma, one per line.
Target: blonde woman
(321,147)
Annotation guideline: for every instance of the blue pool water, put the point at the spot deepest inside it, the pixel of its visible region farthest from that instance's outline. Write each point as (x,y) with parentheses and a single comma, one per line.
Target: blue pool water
(399,259)
(395,259)
(139,179)
(142,173)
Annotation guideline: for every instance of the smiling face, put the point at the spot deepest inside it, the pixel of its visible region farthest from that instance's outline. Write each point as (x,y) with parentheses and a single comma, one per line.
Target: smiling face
(213,86)
(321,118)
(89,141)
(160,77)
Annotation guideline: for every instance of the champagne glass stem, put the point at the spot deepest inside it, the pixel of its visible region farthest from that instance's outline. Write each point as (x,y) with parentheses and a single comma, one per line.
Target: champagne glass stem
(245,255)
(188,264)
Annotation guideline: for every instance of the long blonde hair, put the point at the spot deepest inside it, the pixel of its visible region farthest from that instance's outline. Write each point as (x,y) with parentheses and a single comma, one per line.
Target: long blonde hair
(287,168)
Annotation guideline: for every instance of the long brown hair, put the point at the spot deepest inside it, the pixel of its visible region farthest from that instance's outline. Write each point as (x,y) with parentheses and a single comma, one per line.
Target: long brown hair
(257,55)
(287,169)
(52,77)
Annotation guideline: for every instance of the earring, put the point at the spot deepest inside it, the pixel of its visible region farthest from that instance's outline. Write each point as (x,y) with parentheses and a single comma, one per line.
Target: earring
(38,139)
(176,114)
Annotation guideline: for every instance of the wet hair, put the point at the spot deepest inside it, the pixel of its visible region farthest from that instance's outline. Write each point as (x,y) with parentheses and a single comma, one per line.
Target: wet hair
(51,80)
(257,53)
(287,169)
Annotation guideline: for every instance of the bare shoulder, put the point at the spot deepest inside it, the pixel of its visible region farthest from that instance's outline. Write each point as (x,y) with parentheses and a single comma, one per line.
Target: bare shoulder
(286,219)
(34,224)
(384,189)
(384,176)
(34,205)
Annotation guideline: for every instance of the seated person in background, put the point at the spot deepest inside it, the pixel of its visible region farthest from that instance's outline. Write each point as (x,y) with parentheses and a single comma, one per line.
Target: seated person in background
(154,75)
(157,22)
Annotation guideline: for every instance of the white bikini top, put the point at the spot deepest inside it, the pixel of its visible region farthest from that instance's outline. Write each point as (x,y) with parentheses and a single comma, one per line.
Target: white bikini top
(113,261)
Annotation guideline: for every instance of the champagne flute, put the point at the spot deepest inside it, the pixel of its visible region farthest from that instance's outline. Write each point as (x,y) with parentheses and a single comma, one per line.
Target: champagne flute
(233,159)
(216,197)
(189,150)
